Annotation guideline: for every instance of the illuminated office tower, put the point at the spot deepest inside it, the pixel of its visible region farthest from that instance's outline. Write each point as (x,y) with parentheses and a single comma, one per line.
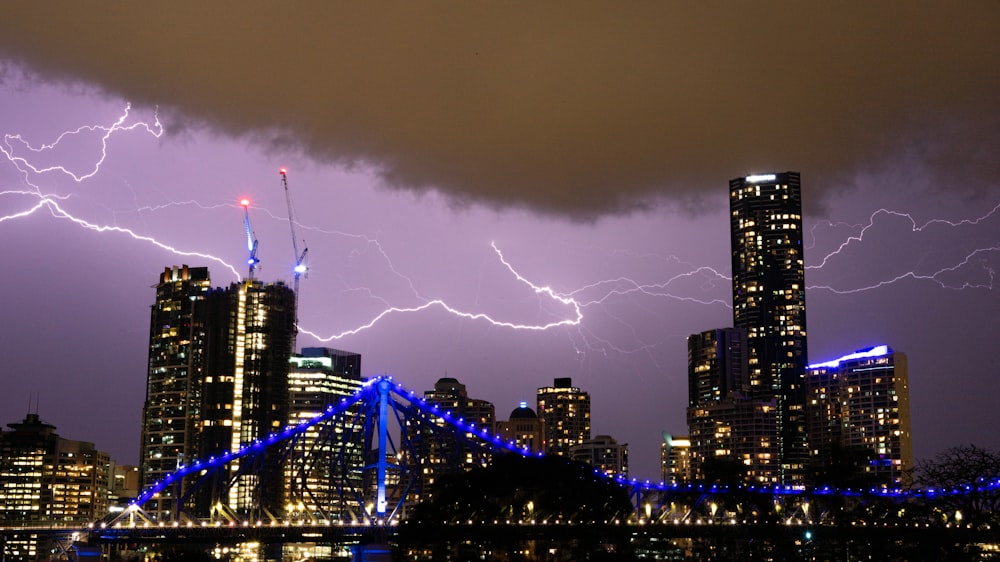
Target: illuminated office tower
(859,406)
(565,414)
(45,478)
(249,329)
(769,295)
(171,415)
(331,450)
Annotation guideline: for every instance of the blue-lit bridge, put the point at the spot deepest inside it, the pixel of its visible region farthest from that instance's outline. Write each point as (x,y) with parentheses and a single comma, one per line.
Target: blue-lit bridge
(354,473)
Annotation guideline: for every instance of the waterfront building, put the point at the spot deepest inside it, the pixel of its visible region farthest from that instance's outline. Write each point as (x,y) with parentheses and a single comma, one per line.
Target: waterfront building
(603,453)
(859,405)
(768,278)
(564,411)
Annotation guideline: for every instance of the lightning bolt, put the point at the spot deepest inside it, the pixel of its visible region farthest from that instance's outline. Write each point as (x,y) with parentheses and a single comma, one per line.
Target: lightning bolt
(577,315)
(51,201)
(26,167)
(45,202)
(23,154)
(913,227)
(962,261)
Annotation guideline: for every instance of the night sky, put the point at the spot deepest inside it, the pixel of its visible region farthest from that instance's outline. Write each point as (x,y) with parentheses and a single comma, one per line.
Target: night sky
(536,191)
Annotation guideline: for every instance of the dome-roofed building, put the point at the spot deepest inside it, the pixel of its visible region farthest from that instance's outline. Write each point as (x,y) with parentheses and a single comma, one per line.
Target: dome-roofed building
(523,428)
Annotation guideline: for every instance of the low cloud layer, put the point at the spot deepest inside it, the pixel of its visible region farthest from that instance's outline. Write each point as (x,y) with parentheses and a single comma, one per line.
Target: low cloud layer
(575,109)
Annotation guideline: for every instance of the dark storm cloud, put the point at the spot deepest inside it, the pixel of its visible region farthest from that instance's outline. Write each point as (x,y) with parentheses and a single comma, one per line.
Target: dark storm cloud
(568,108)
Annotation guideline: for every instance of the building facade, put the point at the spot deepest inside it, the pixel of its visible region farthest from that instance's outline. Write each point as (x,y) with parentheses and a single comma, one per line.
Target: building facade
(768,276)
(442,455)
(171,414)
(603,453)
(320,377)
(725,424)
(523,428)
(45,478)
(217,379)
(564,411)
(675,459)
(859,406)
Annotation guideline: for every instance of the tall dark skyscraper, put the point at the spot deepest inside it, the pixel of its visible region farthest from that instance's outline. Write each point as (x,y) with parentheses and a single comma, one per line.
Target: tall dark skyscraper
(769,301)
(217,377)
(172,410)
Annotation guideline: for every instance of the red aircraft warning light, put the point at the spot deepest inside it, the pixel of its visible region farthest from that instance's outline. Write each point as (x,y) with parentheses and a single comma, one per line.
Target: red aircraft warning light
(245,202)
(284,171)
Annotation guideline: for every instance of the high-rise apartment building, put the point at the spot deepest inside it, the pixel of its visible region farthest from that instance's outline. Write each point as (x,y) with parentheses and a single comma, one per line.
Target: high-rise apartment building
(859,406)
(724,424)
(564,411)
(217,379)
(172,411)
(331,453)
(717,365)
(769,295)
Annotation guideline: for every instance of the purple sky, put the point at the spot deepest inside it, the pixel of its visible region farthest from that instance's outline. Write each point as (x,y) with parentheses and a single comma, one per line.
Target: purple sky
(593,151)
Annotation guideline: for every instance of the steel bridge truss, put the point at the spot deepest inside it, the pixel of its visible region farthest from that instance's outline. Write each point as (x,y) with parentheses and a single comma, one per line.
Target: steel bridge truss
(362,461)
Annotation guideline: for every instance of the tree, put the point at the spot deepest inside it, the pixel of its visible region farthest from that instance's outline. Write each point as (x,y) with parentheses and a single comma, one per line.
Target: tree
(960,477)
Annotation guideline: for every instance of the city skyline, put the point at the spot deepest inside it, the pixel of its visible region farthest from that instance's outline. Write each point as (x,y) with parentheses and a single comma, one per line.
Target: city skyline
(899,192)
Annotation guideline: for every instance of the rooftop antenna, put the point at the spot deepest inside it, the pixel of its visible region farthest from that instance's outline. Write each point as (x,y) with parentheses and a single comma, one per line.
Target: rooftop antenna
(252,261)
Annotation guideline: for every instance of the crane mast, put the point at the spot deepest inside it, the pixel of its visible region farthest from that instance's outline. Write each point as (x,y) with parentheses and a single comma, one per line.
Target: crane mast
(300,258)
(252,260)
(300,266)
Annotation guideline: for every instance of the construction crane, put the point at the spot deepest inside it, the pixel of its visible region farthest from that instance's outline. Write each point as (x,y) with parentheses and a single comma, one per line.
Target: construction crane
(252,261)
(300,258)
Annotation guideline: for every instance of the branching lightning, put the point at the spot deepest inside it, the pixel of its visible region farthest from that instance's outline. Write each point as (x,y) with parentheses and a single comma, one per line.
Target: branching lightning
(577,315)
(22,155)
(51,201)
(26,167)
(935,277)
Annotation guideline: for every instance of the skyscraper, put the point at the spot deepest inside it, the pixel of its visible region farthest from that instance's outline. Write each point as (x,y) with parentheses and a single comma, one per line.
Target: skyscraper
(859,405)
(217,378)
(564,411)
(172,411)
(249,328)
(769,302)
